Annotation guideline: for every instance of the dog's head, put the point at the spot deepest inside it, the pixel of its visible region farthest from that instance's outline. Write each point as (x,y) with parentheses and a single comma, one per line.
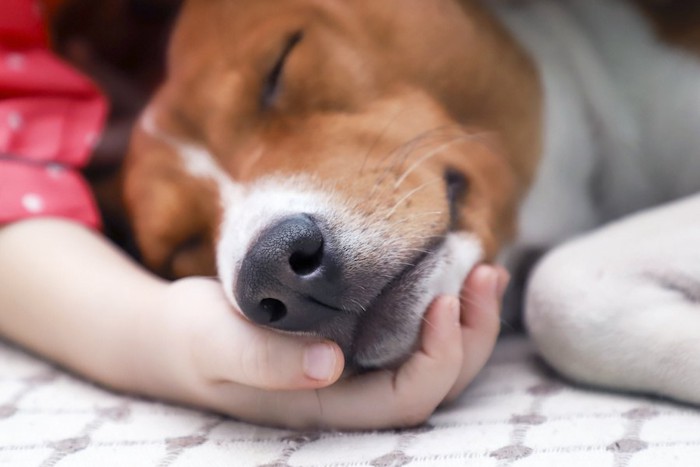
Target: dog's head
(337,164)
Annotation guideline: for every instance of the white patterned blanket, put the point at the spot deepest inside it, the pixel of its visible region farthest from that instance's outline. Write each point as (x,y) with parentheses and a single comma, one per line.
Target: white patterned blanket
(516,414)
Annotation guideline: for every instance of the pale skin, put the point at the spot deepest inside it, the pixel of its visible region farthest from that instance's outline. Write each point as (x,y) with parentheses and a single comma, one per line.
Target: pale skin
(66,293)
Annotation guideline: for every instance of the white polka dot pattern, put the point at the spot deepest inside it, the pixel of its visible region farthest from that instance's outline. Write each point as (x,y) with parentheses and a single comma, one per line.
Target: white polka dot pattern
(50,119)
(15,121)
(33,203)
(15,62)
(55,170)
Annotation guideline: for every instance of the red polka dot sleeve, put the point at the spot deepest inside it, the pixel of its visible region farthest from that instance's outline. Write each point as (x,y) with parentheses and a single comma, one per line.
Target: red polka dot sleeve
(50,120)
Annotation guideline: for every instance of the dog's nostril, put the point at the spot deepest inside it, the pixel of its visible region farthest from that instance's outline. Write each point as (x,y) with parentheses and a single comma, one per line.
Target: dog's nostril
(274,309)
(304,263)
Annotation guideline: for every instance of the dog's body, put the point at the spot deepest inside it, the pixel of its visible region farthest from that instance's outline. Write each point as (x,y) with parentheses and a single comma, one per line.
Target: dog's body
(618,307)
(342,163)
(618,137)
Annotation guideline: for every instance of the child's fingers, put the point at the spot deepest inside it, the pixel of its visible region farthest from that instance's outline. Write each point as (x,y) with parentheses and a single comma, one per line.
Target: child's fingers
(376,400)
(408,396)
(481,305)
(228,348)
(261,358)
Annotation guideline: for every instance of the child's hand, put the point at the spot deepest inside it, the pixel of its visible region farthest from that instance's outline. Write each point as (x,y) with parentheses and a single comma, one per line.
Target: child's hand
(106,318)
(198,351)
(200,340)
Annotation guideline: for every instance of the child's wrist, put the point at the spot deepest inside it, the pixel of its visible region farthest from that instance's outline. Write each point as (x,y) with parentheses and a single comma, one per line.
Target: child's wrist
(160,359)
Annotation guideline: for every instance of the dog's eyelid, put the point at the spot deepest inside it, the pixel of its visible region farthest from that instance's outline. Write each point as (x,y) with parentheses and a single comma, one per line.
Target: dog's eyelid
(271,85)
(457,184)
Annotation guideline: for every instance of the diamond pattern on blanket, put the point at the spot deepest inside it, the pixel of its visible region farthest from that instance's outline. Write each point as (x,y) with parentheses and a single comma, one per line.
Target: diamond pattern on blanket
(517,413)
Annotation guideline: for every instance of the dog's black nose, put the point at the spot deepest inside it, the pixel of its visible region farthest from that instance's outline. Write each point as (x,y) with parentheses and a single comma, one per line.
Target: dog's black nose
(290,276)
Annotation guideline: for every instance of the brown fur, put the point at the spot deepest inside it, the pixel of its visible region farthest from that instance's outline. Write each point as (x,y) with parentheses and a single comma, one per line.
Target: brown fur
(676,21)
(368,80)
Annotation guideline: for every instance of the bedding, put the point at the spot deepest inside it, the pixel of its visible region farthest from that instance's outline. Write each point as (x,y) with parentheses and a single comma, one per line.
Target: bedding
(517,413)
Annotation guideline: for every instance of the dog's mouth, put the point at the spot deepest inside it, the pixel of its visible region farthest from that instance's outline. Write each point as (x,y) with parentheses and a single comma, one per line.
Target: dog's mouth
(381,332)
(385,332)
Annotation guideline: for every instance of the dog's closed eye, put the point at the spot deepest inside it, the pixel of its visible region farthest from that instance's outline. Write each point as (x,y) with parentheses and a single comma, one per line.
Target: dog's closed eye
(456,185)
(273,81)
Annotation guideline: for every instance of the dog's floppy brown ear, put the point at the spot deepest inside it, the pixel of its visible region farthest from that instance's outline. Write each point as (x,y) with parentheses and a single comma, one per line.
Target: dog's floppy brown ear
(173,214)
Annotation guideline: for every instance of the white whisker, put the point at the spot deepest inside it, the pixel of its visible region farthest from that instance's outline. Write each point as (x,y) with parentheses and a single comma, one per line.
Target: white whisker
(430,155)
(408,195)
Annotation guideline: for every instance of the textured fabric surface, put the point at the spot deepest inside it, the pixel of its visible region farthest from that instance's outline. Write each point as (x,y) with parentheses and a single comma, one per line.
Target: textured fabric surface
(517,413)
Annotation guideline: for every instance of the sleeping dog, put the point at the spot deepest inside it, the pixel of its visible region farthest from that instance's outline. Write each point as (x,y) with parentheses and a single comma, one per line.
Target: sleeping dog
(339,164)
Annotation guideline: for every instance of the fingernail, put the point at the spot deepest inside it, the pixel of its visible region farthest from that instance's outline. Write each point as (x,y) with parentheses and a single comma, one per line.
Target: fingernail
(319,362)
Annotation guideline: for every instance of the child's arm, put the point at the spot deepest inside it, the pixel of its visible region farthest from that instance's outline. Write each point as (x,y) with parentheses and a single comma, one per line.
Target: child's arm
(67,294)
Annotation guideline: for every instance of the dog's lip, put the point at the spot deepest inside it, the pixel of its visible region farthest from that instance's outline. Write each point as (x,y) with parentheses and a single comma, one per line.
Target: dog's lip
(405,277)
(431,248)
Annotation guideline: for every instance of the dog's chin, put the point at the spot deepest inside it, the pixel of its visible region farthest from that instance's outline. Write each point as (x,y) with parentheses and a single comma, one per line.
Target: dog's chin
(387,333)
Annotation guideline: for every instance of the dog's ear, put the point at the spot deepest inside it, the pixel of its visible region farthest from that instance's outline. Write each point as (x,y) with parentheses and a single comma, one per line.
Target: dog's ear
(173,214)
